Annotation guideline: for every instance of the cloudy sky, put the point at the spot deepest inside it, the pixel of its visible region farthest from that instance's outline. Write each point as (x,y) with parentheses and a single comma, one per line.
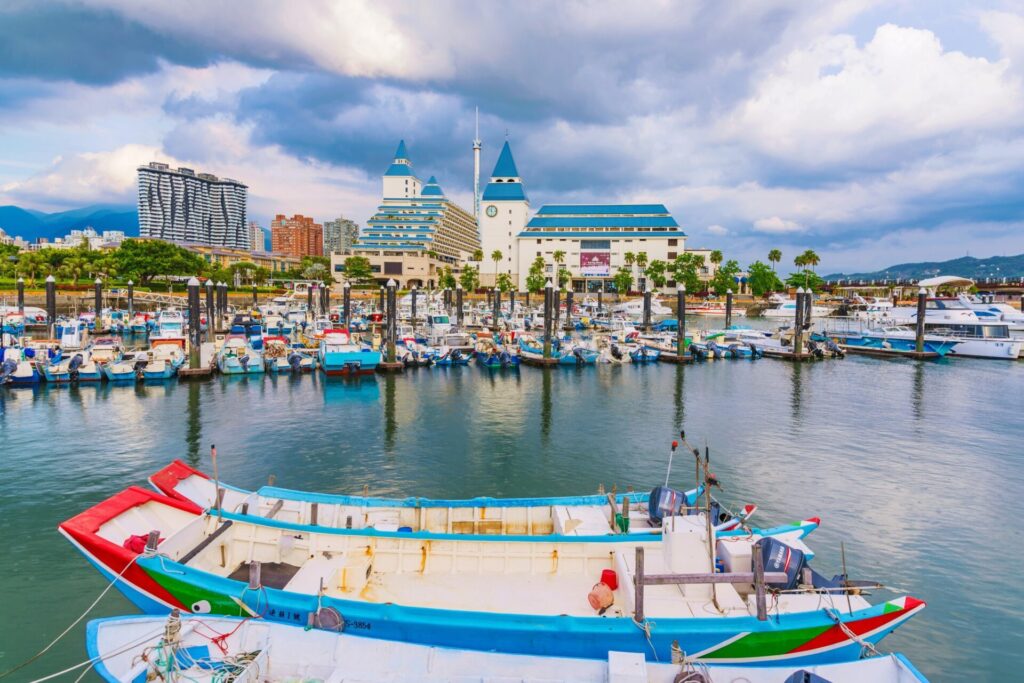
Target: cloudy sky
(872,132)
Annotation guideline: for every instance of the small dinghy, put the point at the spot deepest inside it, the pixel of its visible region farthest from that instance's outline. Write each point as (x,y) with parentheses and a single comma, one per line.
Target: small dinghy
(209,649)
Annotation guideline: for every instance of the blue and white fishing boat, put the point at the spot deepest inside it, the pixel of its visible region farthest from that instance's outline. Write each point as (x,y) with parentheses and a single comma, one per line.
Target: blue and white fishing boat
(139,324)
(889,338)
(128,369)
(282,357)
(448,356)
(565,353)
(237,357)
(641,353)
(165,358)
(206,649)
(339,355)
(17,368)
(514,594)
(170,323)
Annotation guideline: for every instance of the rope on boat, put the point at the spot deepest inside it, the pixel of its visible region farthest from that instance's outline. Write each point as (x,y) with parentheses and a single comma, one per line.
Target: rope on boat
(834,614)
(646,627)
(73,624)
(90,662)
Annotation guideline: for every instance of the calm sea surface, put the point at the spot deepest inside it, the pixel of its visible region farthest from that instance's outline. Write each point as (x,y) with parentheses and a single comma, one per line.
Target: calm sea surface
(917,467)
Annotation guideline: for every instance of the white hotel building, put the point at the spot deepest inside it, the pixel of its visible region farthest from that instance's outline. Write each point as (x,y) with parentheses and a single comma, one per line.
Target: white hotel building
(594,237)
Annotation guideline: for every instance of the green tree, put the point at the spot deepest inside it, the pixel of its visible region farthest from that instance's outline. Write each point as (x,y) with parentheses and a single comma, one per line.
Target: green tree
(724,277)
(811,258)
(641,260)
(762,279)
(469,278)
(801,260)
(496,256)
(504,282)
(807,279)
(535,279)
(564,276)
(478,255)
(558,257)
(623,280)
(315,271)
(357,269)
(774,256)
(446,280)
(686,269)
(716,257)
(73,268)
(655,272)
(32,264)
(143,260)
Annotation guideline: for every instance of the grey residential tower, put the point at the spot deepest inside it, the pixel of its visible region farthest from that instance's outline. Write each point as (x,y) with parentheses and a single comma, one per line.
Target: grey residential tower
(183,206)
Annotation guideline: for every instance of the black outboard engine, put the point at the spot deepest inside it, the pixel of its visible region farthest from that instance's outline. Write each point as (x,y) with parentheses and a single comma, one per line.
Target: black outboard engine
(779,557)
(664,502)
(244,362)
(139,366)
(616,352)
(805,676)
(716,350)
(698,352)
(578,353)
(505,357)
(74,364)
(834,349)
(756,352)
(295,361)
(815,349)
(455,355)
(7,369)
(733,350)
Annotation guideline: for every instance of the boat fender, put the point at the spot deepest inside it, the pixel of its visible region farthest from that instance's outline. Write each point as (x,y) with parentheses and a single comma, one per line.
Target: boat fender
(601,597)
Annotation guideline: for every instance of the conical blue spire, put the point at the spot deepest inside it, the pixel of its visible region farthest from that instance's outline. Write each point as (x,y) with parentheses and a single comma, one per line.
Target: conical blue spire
(506,166)
(431,189)
(401,152)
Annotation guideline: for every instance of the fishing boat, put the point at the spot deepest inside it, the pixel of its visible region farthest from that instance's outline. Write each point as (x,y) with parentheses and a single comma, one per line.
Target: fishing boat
(238,357)
(490,354)
(281,357)
(641,353)
(128,368)
(166,356)
(448,356)
(564,353)
(634,308)
(896,338)
(516,594)
(139,324)
(339,355)
(586,515)
(206,649)
(715,309)
(17,368)
(413,353)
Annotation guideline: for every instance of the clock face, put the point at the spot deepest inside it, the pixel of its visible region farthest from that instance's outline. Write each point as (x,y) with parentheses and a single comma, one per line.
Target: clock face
(492,211)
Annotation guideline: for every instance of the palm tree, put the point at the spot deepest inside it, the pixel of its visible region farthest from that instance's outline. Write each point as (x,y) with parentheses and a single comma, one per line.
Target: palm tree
(716,257)
(774,256)
(811,258)
(478,256)
(496,256)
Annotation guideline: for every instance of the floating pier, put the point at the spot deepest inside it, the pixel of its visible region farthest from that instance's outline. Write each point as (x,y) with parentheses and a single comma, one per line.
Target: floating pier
(666,357)
(539,362)
(890,353)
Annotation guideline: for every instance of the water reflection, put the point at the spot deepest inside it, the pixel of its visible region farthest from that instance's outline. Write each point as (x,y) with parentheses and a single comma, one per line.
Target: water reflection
(193,422)
(545,406)
(390,421)
(917,393)
(678,396)
(796,389)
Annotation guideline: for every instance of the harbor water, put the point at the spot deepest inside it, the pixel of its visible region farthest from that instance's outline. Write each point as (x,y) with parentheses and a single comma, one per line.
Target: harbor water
(915,467)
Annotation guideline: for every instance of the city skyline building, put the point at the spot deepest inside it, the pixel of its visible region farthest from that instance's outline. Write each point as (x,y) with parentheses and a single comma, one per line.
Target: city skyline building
(340,235)
(297,236)
(257,237)
(180,205)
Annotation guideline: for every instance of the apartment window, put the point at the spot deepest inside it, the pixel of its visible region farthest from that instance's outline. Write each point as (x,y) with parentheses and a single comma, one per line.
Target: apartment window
(673,243)
(671,256)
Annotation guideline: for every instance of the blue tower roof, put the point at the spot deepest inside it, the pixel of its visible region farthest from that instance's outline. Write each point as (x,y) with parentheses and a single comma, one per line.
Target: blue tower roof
(401,166)
(432,189)
(506,166)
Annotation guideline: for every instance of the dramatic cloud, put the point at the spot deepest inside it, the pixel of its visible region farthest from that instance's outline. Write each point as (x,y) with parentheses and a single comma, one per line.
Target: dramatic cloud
(857,128)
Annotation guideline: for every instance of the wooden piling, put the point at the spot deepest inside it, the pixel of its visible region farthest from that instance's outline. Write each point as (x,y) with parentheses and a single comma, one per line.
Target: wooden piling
(922,314)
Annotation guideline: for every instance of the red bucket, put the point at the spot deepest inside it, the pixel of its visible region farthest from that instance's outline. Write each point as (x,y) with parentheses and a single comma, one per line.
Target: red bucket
(610,578)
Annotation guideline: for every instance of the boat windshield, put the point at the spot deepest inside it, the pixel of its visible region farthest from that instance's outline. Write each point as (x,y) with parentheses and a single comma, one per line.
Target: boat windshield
(946,305)
(440,320)
(972,331)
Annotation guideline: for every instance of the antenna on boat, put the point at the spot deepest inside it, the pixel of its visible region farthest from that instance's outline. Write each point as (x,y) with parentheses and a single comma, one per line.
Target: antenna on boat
(216,482)
(672,452)
(846,577)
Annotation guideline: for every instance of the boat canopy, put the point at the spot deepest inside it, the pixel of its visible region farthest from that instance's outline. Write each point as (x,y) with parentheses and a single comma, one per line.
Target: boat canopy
(946,281)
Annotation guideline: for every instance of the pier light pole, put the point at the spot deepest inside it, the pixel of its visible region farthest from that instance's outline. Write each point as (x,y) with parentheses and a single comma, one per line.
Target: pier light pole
(346,304)
(556,308)
(458,305)
(549,297)
(412,293)
(209,310)
(21,295)
(680,320)
(392,321)
(51,302)
(728,308)
(193,323)
(97,295)
(922,313)
(798,324)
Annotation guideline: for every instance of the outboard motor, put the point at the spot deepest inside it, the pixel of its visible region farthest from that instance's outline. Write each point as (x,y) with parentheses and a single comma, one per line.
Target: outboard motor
(698,352)
(616,352)
(815,349)
(578,353)
(244,362)
(75,363)
(140,366)
(756,352)
(834,349)
(7,369)
(295,361)
(505,357)
(716,350)
(455,355)
(733,350)
(779,557)
(665,502)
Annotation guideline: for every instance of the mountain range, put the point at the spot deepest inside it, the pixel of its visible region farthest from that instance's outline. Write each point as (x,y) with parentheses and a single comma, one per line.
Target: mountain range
(965,266)
(30,225)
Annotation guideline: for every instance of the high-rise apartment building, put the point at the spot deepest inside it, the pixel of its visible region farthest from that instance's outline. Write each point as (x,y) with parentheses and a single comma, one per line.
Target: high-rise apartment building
(257,237)
(297,236)
(198,208)
(339,235)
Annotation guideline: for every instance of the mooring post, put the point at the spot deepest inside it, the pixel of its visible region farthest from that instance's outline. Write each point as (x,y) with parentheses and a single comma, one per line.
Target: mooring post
(496,300)
(556,307)
(647,308)
(412,293)
(458,306)
(131,300)
(798,324)
(210,313)
(600,299)
(309,300)
(51,302)
(21,295)
(325,298)
(255,298)
(638,585)
(680,319)
(512,303)
(97,304)
(392,320)
(568,309)
(346,304)
(922,314)
(380,302)
(728,308)
(808,305)
(194,340)
(548,298)
(762,610)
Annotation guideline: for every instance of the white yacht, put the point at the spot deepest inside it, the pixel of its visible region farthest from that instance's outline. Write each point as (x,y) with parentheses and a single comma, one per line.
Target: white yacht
(170,324)
(784,307)
(996,312)
(950,317)
(634,308)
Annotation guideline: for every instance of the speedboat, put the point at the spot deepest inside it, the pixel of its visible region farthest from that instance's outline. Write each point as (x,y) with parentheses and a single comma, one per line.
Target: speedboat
(715,309)
(128,369)
(634,308)
(281,357)
(170,323)
(784,307)
(165,358)
(339,355)
(237,356)
(889,338)
(17,368)
(955,320)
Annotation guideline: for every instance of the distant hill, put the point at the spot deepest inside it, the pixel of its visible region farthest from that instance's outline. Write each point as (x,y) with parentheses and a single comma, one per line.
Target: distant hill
(966,266)
(30,224)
